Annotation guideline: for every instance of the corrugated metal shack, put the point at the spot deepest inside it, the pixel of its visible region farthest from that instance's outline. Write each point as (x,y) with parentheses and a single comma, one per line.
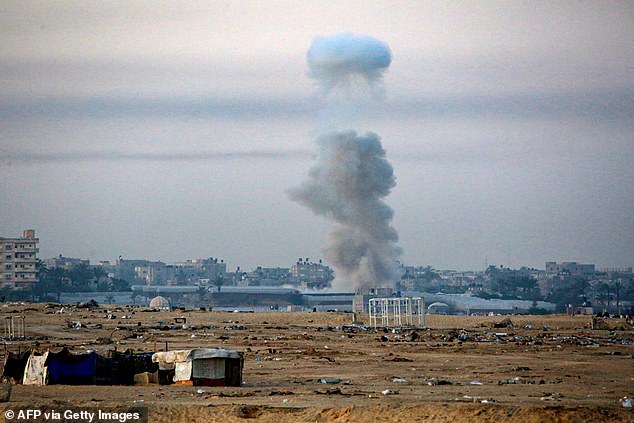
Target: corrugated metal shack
(203,366)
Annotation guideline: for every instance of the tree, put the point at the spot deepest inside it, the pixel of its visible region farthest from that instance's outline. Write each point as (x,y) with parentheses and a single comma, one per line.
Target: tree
(202,294)
(219,281)
(572,290)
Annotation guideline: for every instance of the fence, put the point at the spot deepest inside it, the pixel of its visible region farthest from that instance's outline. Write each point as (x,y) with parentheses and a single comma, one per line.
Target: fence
(14,327)
(397,312)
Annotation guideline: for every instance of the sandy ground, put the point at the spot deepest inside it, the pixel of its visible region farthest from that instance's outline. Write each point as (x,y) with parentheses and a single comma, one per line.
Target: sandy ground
(542,368)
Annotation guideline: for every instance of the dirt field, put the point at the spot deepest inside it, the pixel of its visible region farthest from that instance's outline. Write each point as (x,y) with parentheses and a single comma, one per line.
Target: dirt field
(553,368)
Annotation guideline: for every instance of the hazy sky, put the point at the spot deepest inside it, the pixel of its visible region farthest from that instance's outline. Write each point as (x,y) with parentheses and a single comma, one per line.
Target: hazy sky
(172,130)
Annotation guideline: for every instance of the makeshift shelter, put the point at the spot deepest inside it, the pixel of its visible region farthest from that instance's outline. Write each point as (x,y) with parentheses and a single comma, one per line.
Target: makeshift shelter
(89,368)
(203,366)
(66,368)
(123,368)
(14,365)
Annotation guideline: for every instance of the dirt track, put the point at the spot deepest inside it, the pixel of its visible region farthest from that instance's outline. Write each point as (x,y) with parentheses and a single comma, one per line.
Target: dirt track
(461,369)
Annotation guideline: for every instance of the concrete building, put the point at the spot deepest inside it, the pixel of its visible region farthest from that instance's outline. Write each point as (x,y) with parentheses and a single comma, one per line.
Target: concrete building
(196,270)
(157,273)
(363,295)
(18,261)
(266,276)
(311,275)
(65,262)
(571,267)
(191,272)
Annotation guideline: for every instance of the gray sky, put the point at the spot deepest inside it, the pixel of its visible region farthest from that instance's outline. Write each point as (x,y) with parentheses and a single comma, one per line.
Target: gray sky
(169,130)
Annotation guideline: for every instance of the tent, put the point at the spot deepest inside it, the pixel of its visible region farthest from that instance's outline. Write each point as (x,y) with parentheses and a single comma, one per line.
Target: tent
(60,368)
(203,366)
(14,365)
(66,368)
(121,368)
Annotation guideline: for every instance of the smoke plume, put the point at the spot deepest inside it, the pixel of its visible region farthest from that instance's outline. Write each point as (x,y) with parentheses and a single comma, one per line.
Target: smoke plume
(352,176)
(347,185)
(338,60)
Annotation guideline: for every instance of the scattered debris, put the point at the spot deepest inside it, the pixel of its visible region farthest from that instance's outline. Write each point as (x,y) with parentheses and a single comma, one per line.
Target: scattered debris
(399,380)
(506,323)
(331,391)
(330,381)
(437,382)
(390,392)
(86,304)
(550,396)
(235,327)
(512,381)
(401,360)
(282,393)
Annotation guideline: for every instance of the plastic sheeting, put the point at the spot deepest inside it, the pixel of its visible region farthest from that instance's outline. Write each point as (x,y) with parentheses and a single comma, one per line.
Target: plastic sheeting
(35,370)
(71,369)
(203,365)
(167,360)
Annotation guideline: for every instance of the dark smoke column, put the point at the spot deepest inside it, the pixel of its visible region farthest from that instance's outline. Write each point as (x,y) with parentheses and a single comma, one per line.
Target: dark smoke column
(352,176)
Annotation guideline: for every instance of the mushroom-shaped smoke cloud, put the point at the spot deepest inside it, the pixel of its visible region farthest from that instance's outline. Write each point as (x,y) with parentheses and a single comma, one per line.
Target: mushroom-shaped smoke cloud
(334,60)
(352,176)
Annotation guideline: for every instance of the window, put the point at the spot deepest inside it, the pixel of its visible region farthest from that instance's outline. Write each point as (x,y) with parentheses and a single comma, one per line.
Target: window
(8,256)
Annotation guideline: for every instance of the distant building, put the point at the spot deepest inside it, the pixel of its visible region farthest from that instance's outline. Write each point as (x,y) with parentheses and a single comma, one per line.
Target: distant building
(65,262)
(125,268)
(363,295)
(266,276)
(156,273)
(311,275)
(570,267)
(18,261)
(191,272)
(195,270)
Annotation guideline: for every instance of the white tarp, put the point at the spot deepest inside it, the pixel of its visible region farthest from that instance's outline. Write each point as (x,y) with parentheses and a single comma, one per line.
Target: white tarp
(35,371)
(167,360)
(183,371)
(197,363)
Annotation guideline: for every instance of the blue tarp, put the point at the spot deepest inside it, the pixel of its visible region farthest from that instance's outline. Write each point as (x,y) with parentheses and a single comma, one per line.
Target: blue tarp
(71,369)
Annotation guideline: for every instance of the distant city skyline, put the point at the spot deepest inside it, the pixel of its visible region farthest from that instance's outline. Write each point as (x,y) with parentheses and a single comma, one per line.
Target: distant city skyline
(173,130)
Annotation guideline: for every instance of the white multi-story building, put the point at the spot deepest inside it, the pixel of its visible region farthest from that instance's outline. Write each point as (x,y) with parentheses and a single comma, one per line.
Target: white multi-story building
(571,267)
(18,261)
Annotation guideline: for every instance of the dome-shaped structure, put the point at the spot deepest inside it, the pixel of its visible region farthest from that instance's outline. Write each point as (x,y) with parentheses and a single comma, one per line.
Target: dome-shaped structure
(438,308)
(159,302)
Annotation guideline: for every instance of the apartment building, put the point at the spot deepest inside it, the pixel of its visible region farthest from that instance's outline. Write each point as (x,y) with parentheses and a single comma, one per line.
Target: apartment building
(18,257)
(311,275)
(572,267)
